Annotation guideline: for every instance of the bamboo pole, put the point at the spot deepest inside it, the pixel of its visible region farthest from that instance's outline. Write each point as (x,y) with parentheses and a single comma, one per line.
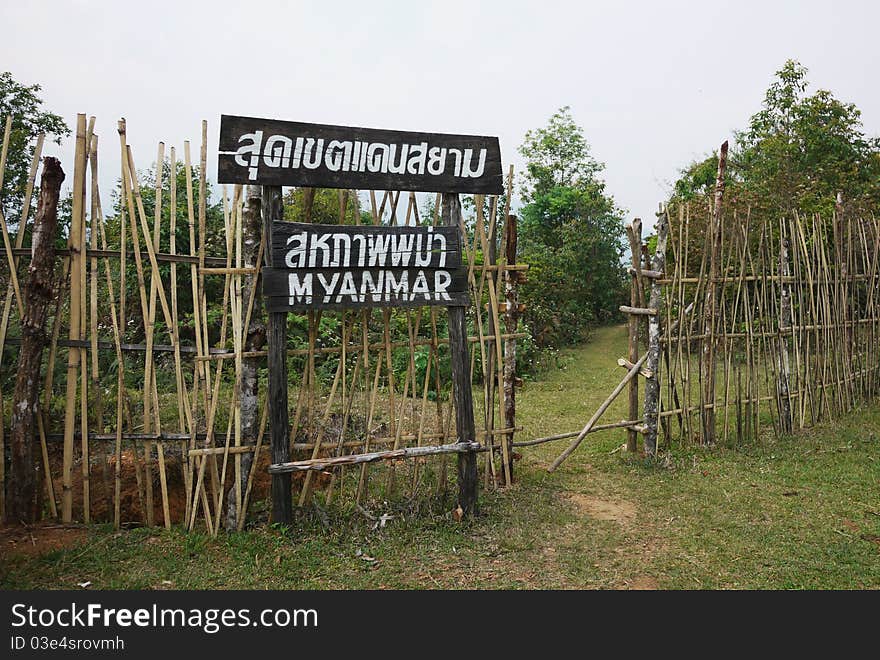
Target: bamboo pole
(74,354)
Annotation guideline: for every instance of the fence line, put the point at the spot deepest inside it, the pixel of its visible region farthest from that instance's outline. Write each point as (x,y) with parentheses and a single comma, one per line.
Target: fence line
(793,335)
(132,303)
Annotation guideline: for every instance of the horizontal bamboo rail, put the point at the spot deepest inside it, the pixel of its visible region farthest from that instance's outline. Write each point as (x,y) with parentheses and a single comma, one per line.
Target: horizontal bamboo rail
(321,464)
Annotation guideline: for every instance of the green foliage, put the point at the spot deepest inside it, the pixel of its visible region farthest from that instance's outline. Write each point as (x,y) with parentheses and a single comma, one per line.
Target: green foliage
(324,208)
(698,179)
(28,120)
(557,155)
(571,234)
(797,153)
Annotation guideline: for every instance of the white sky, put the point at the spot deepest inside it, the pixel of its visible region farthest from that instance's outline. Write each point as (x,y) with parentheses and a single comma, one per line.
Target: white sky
(653,84)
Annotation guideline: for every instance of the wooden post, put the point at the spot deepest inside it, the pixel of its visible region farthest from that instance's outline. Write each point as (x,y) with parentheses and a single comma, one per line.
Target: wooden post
(652,384)
(709,310)
(636,293)
(511,316)
(276,336)
(461,379)
(37,296)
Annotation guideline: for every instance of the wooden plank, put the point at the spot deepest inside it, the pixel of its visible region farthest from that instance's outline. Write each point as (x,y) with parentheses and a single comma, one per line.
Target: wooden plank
(285,153)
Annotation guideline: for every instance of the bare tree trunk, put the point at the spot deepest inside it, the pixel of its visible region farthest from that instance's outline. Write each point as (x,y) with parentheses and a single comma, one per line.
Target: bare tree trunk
(652,364)
(255,339)
(37,294)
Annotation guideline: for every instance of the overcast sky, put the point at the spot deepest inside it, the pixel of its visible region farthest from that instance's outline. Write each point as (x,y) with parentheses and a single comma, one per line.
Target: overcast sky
(653,84)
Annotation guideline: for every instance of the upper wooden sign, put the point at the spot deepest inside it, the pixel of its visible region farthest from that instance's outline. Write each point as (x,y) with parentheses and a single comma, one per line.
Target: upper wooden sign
(271,152)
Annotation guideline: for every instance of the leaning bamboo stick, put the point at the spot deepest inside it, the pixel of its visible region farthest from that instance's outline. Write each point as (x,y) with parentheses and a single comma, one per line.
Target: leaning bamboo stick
(10,258)
(632,373)
(19,235)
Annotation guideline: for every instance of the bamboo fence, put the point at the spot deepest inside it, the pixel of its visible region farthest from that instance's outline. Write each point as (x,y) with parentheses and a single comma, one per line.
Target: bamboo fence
(784,330)
(143,425)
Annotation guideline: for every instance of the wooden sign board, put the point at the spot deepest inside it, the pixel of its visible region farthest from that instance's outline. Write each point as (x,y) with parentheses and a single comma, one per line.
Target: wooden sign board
(271,152)
(345,267)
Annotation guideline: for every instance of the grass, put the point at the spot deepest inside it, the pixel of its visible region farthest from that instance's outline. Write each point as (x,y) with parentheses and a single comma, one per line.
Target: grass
(800,513)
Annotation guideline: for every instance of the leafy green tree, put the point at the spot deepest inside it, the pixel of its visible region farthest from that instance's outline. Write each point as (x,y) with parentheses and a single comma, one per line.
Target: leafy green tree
(557,155)
(571,233)
(797,153)
(28,120)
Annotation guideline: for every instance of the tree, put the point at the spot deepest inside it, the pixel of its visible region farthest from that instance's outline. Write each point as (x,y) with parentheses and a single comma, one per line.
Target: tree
(28,120)
(571,233)
(557,155)
(797,153)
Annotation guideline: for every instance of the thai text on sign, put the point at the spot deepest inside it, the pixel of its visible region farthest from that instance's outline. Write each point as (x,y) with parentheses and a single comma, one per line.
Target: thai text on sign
(274,152)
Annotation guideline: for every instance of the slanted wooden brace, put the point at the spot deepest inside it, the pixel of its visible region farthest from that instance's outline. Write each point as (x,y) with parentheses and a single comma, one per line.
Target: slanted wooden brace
(309,266)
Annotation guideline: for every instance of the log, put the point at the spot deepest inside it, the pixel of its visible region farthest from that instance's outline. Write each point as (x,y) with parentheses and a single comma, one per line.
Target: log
(22,502)
(320,464)
(639,311)
(650,274)
(636,296)
(255,338)
(652,385)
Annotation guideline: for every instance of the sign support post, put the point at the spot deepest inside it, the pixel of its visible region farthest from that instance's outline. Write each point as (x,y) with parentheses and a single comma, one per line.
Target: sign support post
(461,379)
(276,336)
